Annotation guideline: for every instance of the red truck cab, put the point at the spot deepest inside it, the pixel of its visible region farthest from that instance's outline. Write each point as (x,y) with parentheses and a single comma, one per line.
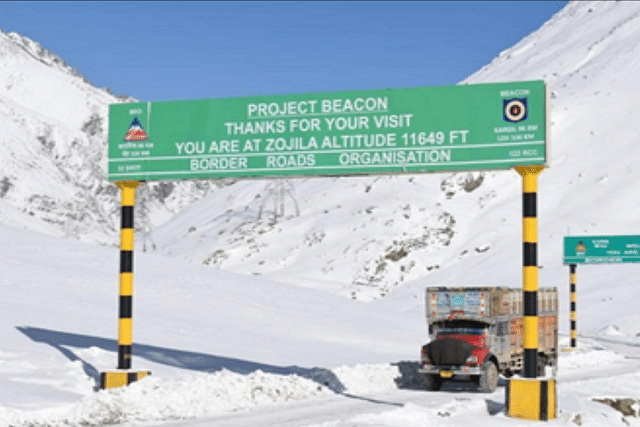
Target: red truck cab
(460,349)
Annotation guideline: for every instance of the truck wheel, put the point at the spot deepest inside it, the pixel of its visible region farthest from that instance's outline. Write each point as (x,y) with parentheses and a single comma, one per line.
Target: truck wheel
(434,382)
(489,377)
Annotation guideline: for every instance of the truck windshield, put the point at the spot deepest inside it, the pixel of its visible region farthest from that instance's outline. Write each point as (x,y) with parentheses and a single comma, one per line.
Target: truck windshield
(460,327)
(461,331)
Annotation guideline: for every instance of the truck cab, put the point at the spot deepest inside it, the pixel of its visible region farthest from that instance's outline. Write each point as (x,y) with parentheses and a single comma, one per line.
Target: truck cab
(460,349)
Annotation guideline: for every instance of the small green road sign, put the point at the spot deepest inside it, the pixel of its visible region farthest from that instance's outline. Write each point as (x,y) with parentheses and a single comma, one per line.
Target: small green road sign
(391,131)
(601,249)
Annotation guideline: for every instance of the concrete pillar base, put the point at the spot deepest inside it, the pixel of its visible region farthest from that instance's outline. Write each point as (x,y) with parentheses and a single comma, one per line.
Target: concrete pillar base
(115,379)
(531,399)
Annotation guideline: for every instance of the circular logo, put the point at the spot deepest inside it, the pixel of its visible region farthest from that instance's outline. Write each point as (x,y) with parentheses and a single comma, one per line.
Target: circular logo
(515,110)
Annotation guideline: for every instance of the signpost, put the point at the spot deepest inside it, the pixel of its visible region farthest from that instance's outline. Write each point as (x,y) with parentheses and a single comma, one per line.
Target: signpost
(601,249)
(391,131)
(595,250)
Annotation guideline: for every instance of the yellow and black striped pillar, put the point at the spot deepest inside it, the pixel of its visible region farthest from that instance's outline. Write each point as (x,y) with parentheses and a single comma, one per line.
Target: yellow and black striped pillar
(125,325)
(530,267)
(574,316)
(530,397)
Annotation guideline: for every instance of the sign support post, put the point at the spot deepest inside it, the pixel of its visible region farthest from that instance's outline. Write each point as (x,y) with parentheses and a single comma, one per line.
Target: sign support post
(125,325)
(529,397)
(574,317)
(530,267)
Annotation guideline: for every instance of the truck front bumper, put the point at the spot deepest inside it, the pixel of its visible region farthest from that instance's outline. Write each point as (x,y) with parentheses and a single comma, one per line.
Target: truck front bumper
(449,371)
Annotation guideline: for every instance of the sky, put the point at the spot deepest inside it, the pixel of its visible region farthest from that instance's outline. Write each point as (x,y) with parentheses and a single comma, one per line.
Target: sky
(155,51)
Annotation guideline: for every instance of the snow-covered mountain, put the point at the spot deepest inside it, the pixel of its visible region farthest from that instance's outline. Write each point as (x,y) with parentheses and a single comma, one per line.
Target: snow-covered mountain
(361,237)
(53,149)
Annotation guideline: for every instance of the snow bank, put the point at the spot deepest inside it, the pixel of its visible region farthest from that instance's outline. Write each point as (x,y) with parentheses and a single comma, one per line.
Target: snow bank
(367,379)
(200,395)
(153,399)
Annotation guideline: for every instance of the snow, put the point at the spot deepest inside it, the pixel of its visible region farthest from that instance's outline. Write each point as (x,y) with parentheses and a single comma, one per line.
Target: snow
(413,415)
(227,347)
(248,318)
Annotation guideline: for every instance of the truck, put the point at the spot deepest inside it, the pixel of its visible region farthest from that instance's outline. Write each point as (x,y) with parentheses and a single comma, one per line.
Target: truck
(477,334)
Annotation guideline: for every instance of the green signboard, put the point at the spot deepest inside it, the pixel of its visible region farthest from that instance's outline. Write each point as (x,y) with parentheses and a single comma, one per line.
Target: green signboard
(601,249)
(391,131)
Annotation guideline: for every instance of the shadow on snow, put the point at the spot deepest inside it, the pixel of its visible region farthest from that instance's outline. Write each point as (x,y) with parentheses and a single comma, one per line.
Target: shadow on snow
(64,341)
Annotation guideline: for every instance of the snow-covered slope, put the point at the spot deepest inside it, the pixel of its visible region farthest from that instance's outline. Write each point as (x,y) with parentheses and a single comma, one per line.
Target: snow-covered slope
(361,237)
(52,122)
(53,150)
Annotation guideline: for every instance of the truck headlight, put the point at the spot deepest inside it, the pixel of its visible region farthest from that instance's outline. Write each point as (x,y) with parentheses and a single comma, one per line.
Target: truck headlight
(471,360)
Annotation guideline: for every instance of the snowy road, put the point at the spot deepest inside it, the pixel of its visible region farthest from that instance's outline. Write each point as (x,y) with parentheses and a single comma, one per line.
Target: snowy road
(348,409)
(602,367)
